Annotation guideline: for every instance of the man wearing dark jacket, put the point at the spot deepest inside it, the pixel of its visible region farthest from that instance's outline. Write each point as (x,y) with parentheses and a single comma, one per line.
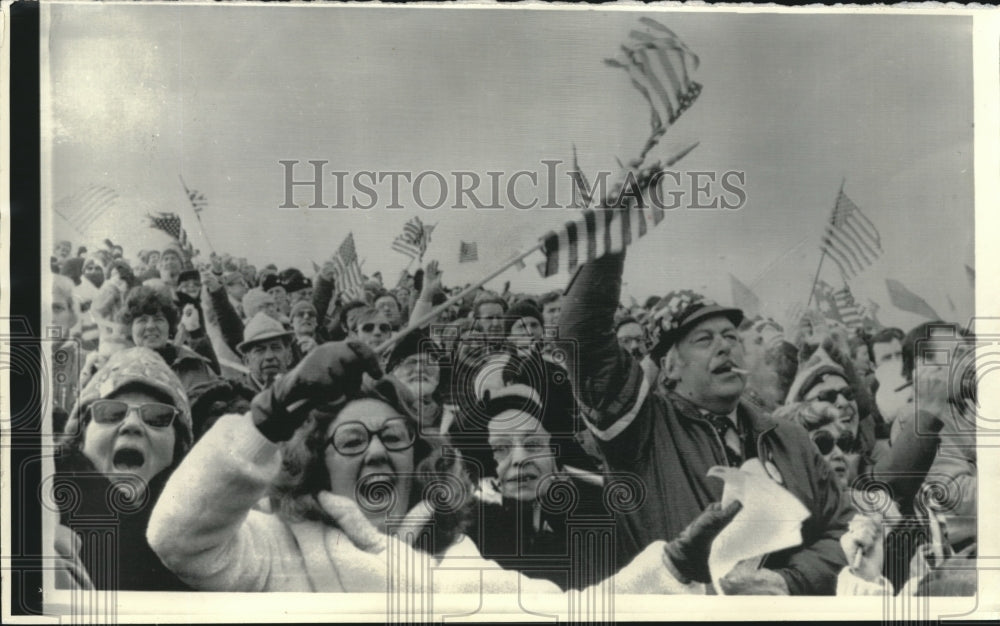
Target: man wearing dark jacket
(670,438)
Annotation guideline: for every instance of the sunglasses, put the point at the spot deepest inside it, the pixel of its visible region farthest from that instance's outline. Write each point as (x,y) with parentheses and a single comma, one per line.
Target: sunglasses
(830,395)
(155,414)
(353,438)
(370,328)
(825,441)
(306,315)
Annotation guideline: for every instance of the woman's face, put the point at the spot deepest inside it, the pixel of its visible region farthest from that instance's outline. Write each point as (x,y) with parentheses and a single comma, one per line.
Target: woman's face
(150,331)
(131,445)
(371,476)
(833,391)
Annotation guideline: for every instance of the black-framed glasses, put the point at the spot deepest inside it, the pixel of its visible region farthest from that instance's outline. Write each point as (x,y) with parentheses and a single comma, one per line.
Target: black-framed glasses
(155,414)
(830,395)
(353,438)
(306,315)
(825,441)
(370,327)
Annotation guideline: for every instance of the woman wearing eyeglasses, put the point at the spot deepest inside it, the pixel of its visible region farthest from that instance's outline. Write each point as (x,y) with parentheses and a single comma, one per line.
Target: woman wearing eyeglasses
(341,461)
(128,431)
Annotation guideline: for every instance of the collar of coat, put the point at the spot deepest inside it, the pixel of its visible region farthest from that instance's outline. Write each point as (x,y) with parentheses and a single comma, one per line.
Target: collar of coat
(747,414)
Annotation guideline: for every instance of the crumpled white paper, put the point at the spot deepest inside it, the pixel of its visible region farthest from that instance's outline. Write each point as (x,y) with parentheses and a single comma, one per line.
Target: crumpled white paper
(770,520)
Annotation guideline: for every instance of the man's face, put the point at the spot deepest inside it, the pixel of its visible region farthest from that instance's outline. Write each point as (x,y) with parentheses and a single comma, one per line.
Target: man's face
(388,307)
(63,249)
(490,319)
(373,466)
(304,321)
(888,351)
(190,287)
(373,329)
(93,271)
(236,288)
(523,452)
(524,333)
(631,337)
(551,311)
(863,367)
(153,259)
(703,368)
(131,445)
(266,359)
(420,373)
(151,331)
(280,298)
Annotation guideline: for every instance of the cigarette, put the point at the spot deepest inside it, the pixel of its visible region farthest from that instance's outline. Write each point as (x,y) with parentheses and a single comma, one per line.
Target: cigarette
(739,370)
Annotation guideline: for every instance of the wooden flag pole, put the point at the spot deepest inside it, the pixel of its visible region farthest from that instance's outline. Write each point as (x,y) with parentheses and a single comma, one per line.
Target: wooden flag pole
(387,345)
(197,215)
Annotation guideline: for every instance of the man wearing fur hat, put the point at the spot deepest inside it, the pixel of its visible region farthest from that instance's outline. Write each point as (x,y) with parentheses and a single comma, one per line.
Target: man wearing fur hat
(671,437)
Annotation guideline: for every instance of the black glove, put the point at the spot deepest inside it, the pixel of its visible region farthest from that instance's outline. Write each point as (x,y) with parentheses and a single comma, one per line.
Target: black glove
(327,375)
(689,551)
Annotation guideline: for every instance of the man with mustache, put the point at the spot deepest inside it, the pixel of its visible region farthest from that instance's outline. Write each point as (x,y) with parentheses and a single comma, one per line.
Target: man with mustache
(671,437)
(266,351)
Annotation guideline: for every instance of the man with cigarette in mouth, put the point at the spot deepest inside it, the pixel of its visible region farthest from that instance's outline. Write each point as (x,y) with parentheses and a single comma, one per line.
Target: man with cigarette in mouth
(670,437)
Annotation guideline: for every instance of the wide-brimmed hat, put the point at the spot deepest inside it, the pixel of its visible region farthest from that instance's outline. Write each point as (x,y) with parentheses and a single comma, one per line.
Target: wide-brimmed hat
(262,327)
(680,311)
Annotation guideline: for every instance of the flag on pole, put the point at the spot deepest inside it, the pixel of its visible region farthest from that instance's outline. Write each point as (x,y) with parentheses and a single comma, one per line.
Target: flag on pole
(170,223)
(849,311)
(602,230)
(582,193)
(414,239)
(660,66)
(348,270)
(84,207)
(468,252)
(851,239)
(198,200)
(744,298)
(904,299)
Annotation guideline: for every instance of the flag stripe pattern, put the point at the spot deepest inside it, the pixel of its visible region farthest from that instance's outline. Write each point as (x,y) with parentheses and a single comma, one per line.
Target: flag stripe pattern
(198,200)
(468,252)
(659,66)
(414,239)
(851,239)
(84,207)
(348,270)
(170,223)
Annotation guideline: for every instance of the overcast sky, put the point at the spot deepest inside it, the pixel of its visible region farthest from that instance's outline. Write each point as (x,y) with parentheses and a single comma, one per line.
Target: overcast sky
(221,93)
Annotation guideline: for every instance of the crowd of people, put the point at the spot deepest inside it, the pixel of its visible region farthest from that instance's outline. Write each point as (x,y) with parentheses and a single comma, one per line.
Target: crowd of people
(263,430)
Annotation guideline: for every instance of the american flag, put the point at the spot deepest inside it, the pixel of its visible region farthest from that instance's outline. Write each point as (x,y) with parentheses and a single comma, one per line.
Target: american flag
(850,239)
(170,223)
(83,208)
(198,200)
(348,270)
(659,65)
(414,240)
(840,305)
(607,228)
(468,252)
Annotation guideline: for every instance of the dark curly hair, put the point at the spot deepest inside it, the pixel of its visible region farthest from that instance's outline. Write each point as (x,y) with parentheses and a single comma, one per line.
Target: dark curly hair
(144,300)
(440,478)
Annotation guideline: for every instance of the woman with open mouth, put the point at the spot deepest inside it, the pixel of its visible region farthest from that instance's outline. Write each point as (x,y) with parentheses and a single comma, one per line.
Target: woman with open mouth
(127,433)
(351,477)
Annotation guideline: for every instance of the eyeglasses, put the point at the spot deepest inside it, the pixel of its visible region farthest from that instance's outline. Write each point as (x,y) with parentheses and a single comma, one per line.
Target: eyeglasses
(307,315)
(155,414)
(830,395)
(353,438)
(370,328)
(825,441)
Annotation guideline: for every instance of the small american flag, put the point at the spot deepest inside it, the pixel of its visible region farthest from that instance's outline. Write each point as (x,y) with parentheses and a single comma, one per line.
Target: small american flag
(414,240)
(850,313)
(850,239)
(468,252)
(348,270)
(660,65)
(83,208)
(198,200)
(170,223)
